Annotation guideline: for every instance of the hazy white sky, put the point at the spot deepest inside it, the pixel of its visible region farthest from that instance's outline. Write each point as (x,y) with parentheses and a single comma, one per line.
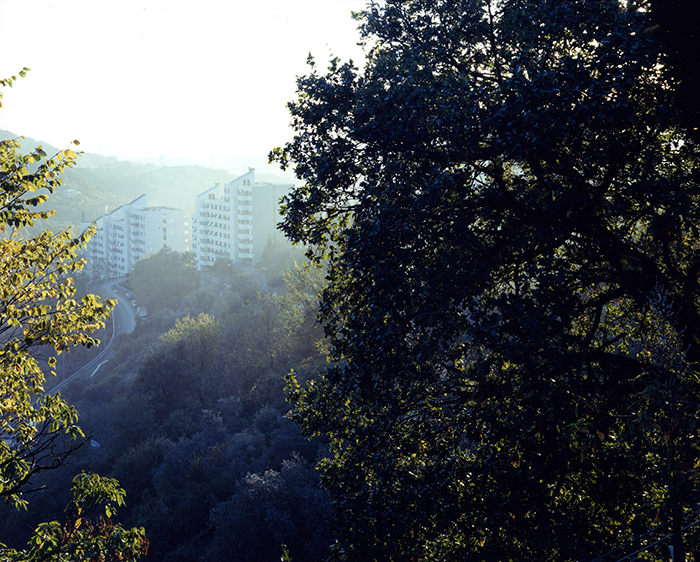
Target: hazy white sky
(205,79)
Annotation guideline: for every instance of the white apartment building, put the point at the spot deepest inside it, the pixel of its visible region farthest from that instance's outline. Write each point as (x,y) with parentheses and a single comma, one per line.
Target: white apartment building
(237,221)
(134,231)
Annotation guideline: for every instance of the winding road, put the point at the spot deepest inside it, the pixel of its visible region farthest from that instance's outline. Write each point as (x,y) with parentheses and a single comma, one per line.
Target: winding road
(124,321)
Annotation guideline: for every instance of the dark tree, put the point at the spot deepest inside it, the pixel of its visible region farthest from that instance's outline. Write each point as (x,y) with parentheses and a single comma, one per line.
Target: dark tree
(508,201)
(164,279)
(676,26)
(183,372)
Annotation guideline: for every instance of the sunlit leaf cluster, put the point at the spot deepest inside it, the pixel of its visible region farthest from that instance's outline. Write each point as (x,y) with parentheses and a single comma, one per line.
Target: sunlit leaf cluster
(40,317)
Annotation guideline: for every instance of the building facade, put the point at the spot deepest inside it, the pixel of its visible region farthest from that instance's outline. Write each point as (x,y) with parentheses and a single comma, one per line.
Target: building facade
(237,221)
(134,231)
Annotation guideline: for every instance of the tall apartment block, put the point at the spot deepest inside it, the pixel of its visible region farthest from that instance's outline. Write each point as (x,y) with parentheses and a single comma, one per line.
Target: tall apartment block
(236,221)
(134,231)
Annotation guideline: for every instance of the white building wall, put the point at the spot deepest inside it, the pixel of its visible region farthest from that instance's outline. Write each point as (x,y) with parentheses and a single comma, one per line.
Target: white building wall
(241,190)
(236,221)
(97,250)
(212,238)
(266,216)
(134,231)
(165,226)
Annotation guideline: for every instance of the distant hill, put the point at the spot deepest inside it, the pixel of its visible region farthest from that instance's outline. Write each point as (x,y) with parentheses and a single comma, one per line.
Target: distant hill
(170,186)
(100,184)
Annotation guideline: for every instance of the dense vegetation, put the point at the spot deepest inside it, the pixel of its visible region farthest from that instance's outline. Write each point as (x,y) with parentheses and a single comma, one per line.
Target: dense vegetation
(190,417)
(507,194)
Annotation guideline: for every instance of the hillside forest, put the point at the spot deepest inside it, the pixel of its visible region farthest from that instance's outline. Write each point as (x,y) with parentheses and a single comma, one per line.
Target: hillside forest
(190,417)
(484,344)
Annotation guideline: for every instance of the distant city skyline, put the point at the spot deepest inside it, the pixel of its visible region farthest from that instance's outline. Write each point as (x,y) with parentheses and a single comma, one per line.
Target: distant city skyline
(204,81)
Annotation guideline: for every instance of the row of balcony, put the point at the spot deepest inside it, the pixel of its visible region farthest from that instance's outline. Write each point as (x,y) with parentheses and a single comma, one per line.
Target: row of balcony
(215,214)
(215,251)
(214,205)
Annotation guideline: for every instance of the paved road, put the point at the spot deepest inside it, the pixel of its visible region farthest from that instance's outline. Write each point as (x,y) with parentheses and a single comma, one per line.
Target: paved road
(124,314)
(124,321)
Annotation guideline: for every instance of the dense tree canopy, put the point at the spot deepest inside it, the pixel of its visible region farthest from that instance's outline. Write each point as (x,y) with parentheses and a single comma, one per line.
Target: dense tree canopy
(163,279)
(676,25)
(39,312)
(509,204)
(182,370)
(200,439)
